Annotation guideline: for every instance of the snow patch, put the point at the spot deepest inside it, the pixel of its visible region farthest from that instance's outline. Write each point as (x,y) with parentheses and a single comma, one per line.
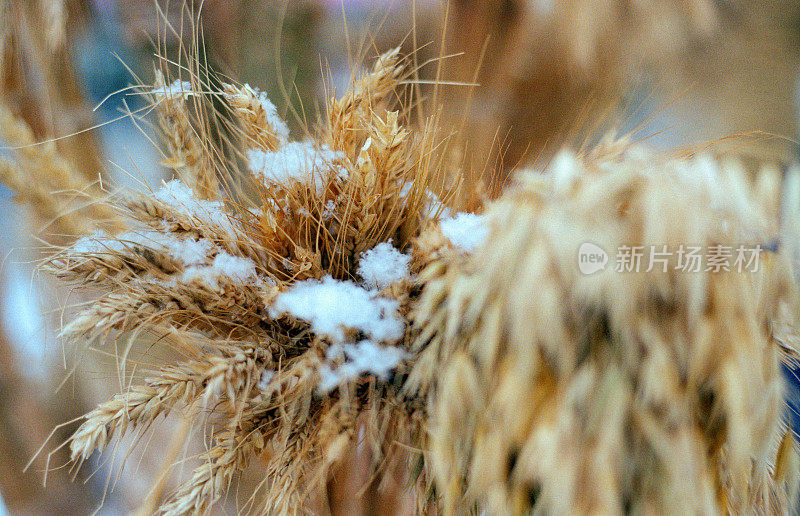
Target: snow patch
(383,265)
(180,197)
(363,357)
(332,307)
(466,231)
(96,243)
(235,268)
(186,251)
(297,161)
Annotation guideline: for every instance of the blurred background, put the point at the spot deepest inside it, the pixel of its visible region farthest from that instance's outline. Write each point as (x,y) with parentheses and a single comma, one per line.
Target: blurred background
(522,77)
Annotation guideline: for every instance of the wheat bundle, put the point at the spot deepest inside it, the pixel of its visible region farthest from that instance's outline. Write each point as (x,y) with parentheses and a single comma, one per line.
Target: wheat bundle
(341,305)
(289,306)
(608,386)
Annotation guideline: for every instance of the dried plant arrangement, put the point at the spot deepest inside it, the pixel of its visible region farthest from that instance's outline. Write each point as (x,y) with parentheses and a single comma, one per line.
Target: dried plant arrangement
(323,297)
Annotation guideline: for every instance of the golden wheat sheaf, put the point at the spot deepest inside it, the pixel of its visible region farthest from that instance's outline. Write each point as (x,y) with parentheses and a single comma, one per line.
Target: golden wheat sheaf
(654,388)
(293,341)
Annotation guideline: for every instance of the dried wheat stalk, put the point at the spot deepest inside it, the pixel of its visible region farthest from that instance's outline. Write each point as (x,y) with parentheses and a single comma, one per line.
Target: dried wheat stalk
(187,155)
